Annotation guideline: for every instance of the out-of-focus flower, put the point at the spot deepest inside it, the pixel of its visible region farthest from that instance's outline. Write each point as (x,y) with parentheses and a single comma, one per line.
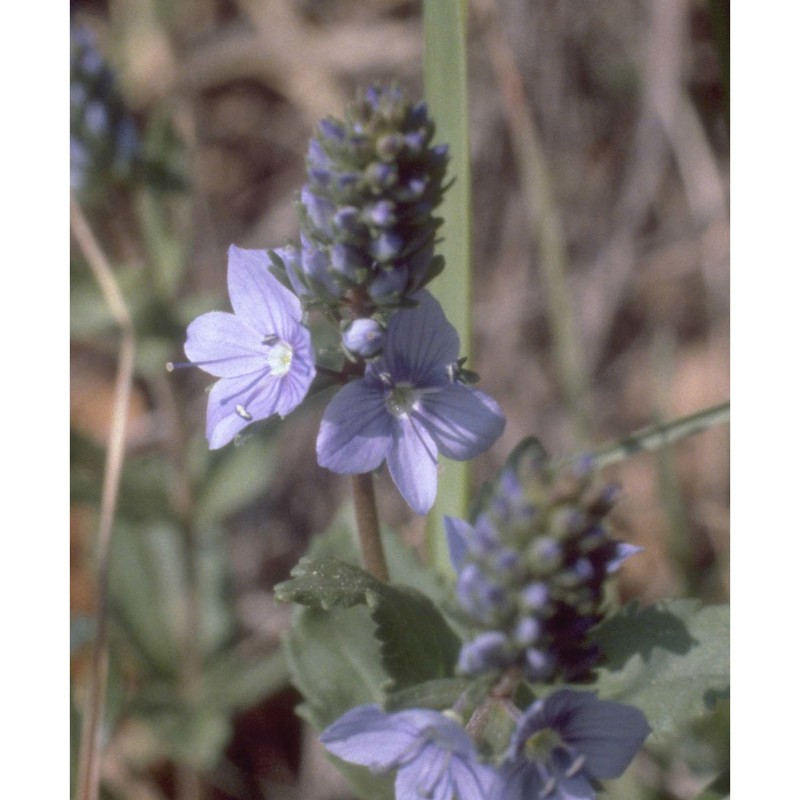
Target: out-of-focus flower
(103,138)
(434,757)
(564,742)
(261,353)
(407,408)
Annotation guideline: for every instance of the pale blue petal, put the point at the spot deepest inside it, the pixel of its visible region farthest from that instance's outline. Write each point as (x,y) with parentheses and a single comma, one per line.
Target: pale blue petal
(608,734)
(255,394)
(355,432)
(472,780)
(462,421)
(366,735)
(258,297)
(223,345)
(420,343)
(518,781)
(412,463)
(427,777)
(296,382)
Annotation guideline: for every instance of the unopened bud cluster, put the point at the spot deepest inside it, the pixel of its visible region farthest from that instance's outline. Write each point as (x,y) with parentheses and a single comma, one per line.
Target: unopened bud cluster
(366,211)
(103,137)
(531,571)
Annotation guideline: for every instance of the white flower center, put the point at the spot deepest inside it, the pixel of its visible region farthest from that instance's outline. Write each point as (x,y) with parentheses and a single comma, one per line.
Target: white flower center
(401,400)
(279,356)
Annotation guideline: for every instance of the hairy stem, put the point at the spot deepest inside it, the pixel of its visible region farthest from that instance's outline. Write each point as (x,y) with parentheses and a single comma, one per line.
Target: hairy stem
(368,527)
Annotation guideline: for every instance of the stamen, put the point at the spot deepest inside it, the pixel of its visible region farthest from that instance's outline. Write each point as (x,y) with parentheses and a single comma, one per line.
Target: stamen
(576,766)
(271,339)
(242,412)
(432,455)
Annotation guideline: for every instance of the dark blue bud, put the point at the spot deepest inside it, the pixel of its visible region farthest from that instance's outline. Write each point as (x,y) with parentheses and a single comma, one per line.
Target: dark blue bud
(96,117)
(486,540)
(388,284)
(546,554)
(439,154)
(418,114)
(412,189)
(383,214)
(348,220)
(507,560)
(332,130)
(388,146)
(527,631)
(316,267)
(416,141)
(347,181)
(538,665)
(318,159)
(386,247)
(363,337)
(319,210)
(348,261)
(380,175)
(535,596)
(487,651)
(290,258)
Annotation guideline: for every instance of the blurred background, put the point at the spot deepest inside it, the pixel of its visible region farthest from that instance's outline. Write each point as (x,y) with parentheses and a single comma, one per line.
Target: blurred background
(189,125)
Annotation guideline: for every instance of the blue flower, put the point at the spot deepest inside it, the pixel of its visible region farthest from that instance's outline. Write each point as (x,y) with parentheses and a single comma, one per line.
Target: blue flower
(261,353)
(566,741)
(434,757)
(407,408)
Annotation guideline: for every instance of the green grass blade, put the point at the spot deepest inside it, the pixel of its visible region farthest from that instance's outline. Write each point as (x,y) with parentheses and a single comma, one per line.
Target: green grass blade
(445,24)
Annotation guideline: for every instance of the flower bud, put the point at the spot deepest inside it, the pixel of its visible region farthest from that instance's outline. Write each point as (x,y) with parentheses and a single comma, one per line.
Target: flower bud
(363,337)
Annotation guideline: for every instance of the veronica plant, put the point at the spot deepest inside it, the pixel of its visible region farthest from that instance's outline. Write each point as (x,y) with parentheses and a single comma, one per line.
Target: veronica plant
(482,713)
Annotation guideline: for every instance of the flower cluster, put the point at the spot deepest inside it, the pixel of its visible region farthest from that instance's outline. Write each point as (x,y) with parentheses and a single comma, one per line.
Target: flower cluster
(559,746)
(103,135)
(366,211)
(531,570)
(367,249)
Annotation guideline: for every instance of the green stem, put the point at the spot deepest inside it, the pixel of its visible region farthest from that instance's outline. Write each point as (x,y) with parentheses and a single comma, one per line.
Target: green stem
(654,437)
(369,533)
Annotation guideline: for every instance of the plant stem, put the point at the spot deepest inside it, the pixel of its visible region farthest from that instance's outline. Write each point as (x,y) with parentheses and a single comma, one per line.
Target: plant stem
(89,761)
(369,533)
(654,437)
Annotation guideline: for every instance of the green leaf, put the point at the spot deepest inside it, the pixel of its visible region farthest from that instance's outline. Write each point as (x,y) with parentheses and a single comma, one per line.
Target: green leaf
(439,694)
(670,660)
(239,476)
(334,662)
(325,584)
(445,72)
(333,656)
(417,644)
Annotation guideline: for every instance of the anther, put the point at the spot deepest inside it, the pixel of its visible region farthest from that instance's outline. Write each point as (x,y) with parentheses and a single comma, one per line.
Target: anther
(243,413)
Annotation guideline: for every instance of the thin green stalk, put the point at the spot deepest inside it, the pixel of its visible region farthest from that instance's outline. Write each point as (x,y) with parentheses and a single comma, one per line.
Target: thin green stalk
(656,436)
(369,533)
(445,70)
